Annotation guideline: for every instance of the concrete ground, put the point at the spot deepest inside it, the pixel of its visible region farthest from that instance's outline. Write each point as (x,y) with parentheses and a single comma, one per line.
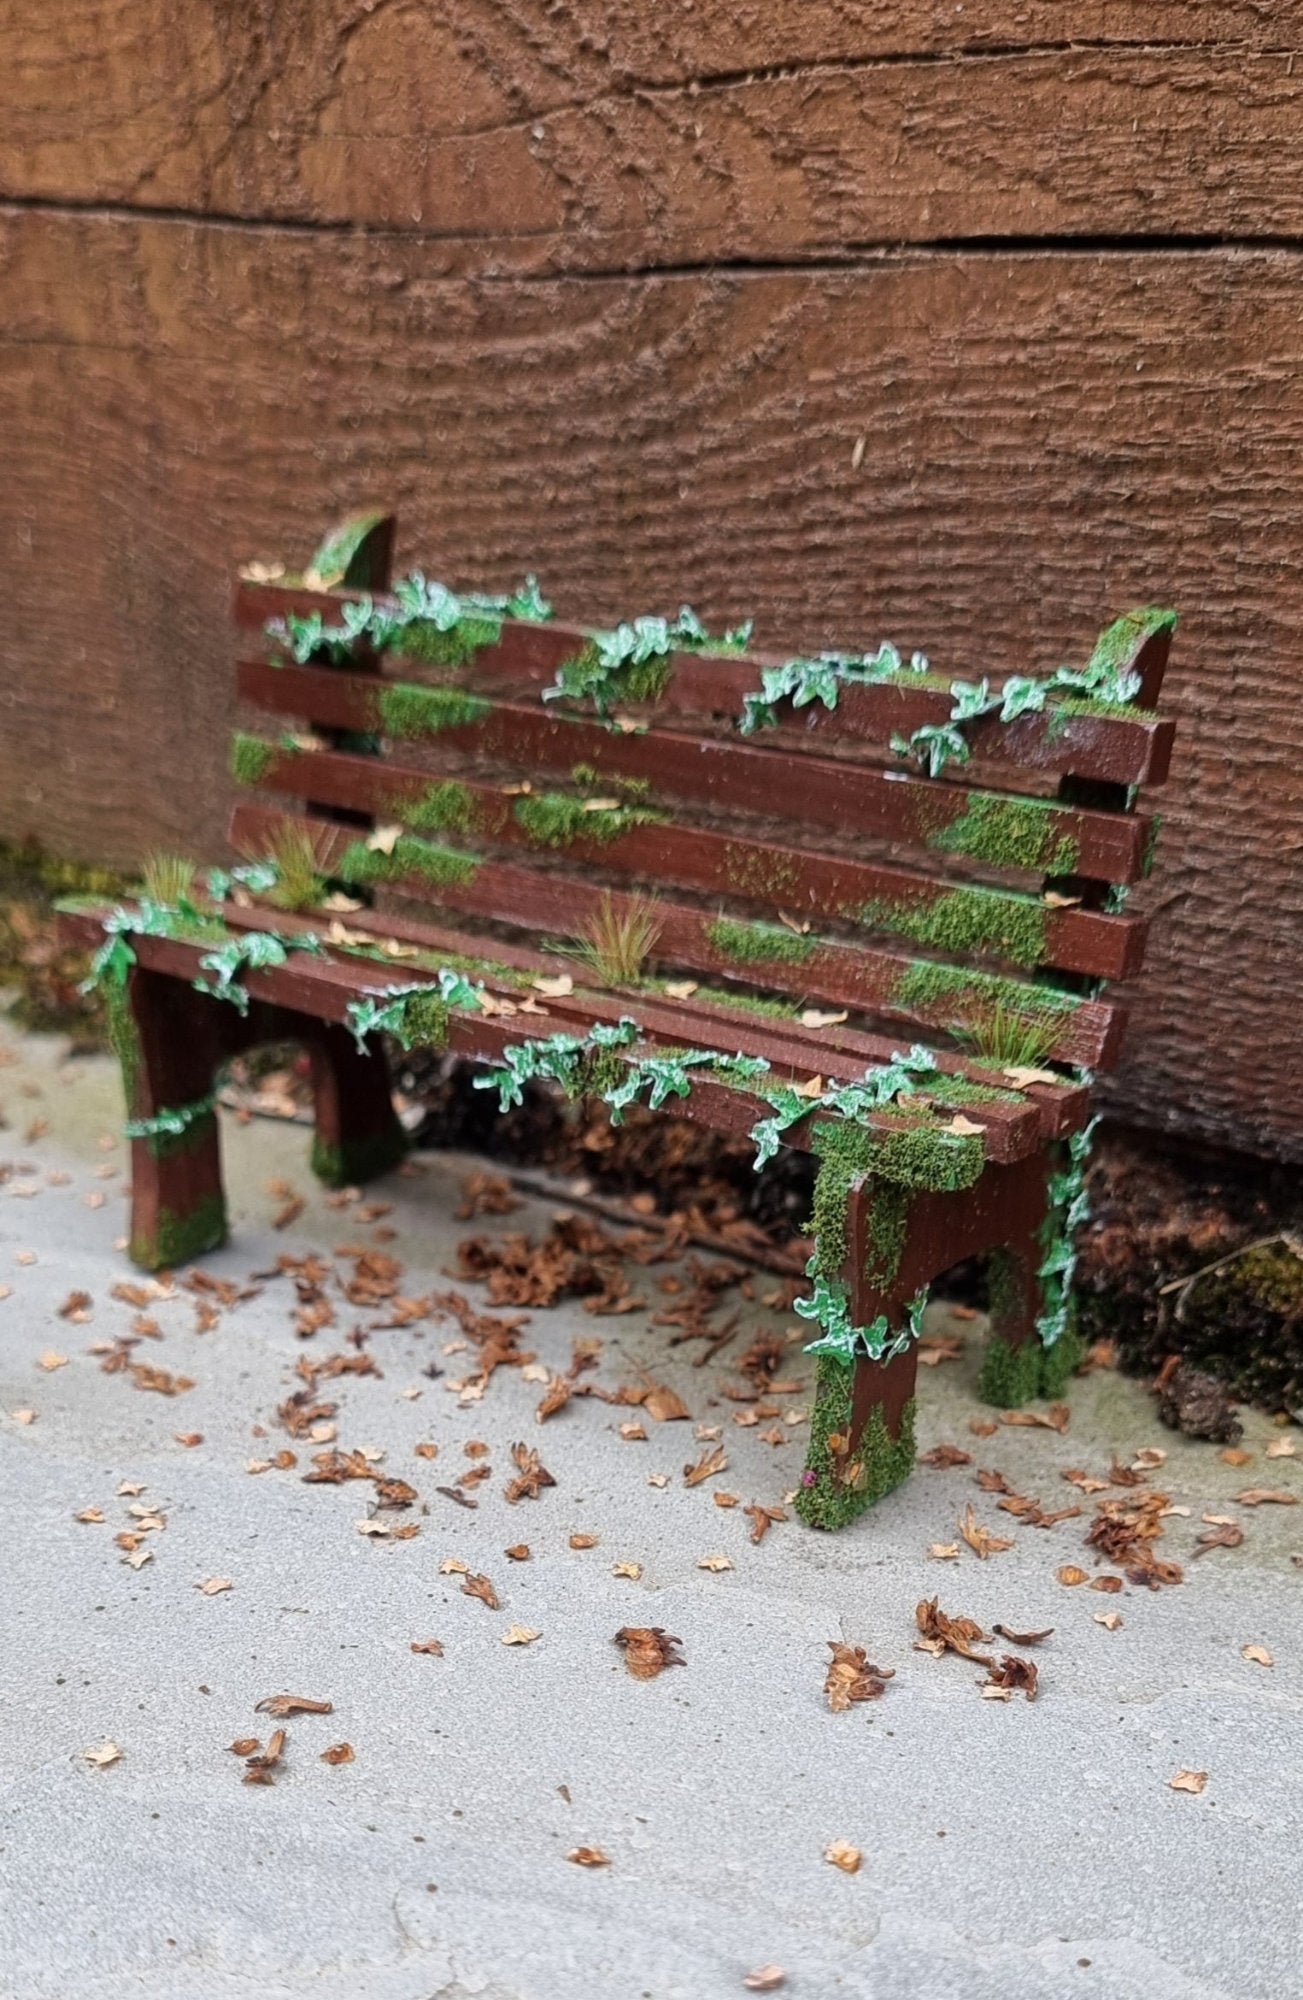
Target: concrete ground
(1009,1849)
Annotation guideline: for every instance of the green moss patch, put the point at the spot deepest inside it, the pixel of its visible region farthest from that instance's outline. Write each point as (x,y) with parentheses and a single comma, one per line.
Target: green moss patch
(844,1151)
(1009,833)
(442,866)
(759,944)
(556,819)
(179,1239)
(927,1159)
(405,710)
(834,1491)
(358,1161)
(967,920)
(445,807)
(456,646)
(251,757)
(961,993)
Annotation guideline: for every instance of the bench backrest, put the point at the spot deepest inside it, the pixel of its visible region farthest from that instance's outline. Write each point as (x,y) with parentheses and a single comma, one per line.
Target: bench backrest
(536,777)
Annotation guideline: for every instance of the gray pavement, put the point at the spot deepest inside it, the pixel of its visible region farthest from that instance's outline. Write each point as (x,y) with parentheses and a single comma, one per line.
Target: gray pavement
(1024,1850)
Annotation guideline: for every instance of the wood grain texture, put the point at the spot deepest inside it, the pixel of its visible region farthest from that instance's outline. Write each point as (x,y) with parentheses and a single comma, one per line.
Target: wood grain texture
(619,135)
(1047,438)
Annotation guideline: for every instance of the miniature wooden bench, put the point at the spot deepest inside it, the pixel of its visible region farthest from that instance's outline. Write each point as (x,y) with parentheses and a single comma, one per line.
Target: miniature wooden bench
(837,903)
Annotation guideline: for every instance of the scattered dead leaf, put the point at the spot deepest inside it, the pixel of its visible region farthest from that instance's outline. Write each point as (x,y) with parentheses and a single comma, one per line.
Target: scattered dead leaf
(520,1635)
(1024,1638)
(338,1753)
(293,1704)
(1110,1620)
(712,1461)
(1012,1676)
(714,1563)
(648,1650)
(1188,1781)
(259,1768)
(588,1857)
(842,1855)
(1266,1496)
(1056,1418)
(531,1475)
(1258,1654)
(100,1755)
(479,1586)
(765,1979)
(1224,1536)
(852,1678)
(979,1539)
(213,1586)
(432,1646)
(946,1455)
(632,1570)
(944,1634)
(1070,1575)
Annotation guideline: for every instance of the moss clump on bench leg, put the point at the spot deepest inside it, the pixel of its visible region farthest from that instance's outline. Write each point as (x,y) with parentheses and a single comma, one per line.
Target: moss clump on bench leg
(1011,1365)
(352,1162)
(839,1482)
(177,1239)
(358,1134)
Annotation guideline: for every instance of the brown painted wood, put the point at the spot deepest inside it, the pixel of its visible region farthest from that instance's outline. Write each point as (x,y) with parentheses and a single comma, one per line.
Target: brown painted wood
(321,988)
(804,884)
(839,975)
(838,1049)
(616,136)
(724,772)
(714,686)
(1048,438)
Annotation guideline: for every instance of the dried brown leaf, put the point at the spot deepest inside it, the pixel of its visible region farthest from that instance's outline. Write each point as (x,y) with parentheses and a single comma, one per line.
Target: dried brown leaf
(852,1678)
(479,1586)
(648,1650)
(979,1539)
(294,1704)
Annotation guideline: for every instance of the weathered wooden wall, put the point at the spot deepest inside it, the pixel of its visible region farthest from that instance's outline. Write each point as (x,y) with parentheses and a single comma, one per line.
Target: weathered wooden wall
(613,291)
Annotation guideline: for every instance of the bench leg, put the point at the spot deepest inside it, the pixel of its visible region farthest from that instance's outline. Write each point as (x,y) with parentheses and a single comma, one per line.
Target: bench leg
(1017,1365)
(861,1437)
(358,1134)
(170,1043)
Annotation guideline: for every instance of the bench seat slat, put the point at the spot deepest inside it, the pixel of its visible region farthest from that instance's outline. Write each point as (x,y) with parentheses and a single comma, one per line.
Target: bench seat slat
(1038,836)
(1116,749)
(805,884)
(899,988)
(838,1050)
(324,986)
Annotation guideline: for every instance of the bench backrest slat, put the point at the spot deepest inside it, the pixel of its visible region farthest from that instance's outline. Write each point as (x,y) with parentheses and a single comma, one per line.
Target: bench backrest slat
(805,859)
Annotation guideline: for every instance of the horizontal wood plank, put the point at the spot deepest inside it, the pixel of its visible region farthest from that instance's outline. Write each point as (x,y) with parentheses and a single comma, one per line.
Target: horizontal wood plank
(714,687)
(778,878)
(594,139)
(897,988)
(1061,1105)
(946,818)
(325,986)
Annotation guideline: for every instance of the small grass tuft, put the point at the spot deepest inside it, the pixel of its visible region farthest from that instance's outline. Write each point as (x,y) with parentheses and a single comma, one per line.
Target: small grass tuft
(1009,1040)
(167,879)
(619,939)
(299,884)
